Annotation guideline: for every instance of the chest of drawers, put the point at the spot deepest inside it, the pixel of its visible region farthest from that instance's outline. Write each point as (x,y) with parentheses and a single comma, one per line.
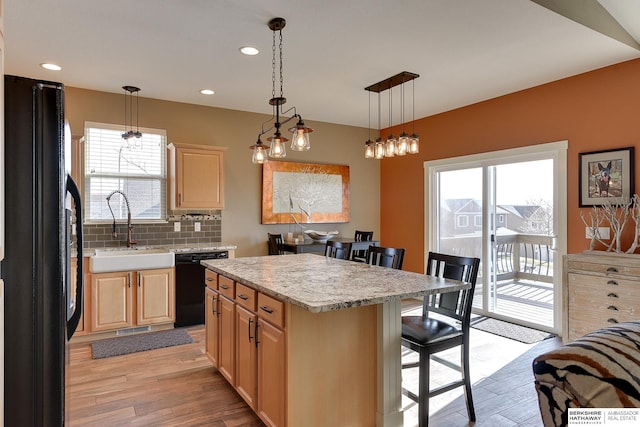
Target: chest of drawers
(600,289)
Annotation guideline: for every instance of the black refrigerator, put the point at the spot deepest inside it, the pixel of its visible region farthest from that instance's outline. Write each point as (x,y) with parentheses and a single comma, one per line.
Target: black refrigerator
(42,306)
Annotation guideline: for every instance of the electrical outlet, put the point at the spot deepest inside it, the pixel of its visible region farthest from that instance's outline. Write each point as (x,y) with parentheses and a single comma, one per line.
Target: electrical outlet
(196,226)
(604,233)
(176,226)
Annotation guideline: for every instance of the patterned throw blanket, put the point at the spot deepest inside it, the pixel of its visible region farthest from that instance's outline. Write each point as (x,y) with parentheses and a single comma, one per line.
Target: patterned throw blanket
(598,370)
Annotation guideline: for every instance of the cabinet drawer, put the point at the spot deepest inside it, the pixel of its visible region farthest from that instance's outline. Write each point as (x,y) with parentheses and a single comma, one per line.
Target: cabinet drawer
(271,309)
(226,286)
(210,279)
(604,268)
(246,297)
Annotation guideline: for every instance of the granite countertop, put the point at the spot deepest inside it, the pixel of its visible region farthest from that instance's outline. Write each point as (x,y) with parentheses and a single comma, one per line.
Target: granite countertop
(317,283)
(183,248)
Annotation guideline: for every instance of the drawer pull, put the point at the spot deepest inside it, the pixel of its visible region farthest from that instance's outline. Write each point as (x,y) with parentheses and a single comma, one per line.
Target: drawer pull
(612,270)
(267,309)
(612,307)
(612,282)
(243,297)
(225,287)
(209,279)
(613,295)
(610,320)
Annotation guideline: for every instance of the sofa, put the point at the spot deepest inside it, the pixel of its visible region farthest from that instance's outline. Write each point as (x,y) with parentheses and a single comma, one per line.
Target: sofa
(599,370)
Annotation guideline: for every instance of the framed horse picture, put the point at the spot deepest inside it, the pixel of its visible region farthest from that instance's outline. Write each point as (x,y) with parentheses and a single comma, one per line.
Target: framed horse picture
(606,177)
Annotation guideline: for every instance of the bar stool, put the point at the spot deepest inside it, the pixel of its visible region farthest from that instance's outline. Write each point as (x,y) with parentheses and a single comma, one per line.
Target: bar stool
(337,249)
(385,257)
(427,335)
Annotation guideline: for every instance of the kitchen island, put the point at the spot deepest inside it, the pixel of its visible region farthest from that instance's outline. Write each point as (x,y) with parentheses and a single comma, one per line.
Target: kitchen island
(339,360)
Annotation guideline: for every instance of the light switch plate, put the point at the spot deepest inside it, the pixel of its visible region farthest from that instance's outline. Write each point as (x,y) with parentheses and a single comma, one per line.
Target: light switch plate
(604,233)
(176,226)
(196,226)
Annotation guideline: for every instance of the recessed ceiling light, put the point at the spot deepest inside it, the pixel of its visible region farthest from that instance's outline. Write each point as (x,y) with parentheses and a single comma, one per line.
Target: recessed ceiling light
(249,50)
(207,92)
(52,67)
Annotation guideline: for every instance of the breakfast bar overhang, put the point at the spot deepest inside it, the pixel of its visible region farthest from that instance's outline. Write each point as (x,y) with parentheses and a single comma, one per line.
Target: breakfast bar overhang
(343,323)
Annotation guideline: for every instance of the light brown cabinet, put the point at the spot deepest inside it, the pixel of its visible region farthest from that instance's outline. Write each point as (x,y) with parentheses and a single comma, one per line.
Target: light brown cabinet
(600,289)
(196,176)
(131,298)
(212,327)
(271,374)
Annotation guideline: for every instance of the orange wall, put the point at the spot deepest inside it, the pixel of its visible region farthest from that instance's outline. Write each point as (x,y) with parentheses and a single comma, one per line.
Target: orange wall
(594,111)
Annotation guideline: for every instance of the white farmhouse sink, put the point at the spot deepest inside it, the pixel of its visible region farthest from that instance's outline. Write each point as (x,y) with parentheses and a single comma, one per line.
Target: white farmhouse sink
(110,260)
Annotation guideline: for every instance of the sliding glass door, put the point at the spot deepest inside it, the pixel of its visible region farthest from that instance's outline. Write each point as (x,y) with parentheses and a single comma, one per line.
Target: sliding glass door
(506,208)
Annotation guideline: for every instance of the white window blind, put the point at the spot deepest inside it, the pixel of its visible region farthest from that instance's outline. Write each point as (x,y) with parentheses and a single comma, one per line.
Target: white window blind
(138,169)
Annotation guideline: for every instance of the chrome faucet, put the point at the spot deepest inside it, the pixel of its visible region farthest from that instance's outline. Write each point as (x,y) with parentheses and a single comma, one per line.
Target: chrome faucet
(114,233)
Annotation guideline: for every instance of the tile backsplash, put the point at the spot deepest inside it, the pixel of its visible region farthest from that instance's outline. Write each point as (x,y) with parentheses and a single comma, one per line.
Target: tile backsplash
(100,235)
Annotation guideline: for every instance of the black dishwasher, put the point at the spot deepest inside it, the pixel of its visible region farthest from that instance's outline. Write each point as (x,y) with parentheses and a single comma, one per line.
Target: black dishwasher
(190,286)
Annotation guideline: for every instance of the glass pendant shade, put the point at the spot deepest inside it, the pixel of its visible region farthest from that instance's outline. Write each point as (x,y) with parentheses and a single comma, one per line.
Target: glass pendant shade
(414,144)
(300,137)
(300,140)
(390,146)
(259,155)
(403,144)
(277,150)
(379,149)
(369,150)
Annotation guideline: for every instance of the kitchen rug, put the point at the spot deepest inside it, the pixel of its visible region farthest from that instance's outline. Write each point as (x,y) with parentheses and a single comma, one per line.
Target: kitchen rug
(139,342)
(509,330)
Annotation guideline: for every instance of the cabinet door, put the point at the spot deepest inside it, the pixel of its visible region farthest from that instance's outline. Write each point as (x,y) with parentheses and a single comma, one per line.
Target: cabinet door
(271,374)
(226,364)
(111,301)
(246,355)
(211,325)
(156,297)
(199,178)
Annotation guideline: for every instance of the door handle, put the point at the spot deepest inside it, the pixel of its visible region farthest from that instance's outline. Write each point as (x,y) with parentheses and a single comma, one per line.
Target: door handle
(250,321)
(213,305)
(129,280)
(139,279)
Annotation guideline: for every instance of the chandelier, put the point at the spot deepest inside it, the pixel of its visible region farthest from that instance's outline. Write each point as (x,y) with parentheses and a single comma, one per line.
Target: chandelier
(300,132)
(405,143)
(128,114)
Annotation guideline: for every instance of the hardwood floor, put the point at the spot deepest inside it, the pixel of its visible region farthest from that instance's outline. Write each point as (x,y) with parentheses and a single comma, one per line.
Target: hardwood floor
(177,386)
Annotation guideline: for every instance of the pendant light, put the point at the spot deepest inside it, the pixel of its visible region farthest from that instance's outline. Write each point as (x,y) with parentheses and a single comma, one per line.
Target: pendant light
(369,145)
(300,132)
(414,139)
(403,140)
(405,143)
(390,145)
(128,115)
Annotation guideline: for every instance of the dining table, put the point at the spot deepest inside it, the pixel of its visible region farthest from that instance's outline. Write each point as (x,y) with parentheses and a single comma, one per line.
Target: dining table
(310,246)
(343,322)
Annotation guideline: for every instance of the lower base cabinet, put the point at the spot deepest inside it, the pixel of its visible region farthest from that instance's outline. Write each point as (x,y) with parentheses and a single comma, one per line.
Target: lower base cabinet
(131,298)
(271,374)
(293,367)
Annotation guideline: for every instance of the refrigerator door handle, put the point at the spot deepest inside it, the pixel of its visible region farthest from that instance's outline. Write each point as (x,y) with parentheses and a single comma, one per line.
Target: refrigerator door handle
(73,322)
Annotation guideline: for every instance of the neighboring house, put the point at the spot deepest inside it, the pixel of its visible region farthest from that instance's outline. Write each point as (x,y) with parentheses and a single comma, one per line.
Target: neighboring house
(464,216)
(529,219)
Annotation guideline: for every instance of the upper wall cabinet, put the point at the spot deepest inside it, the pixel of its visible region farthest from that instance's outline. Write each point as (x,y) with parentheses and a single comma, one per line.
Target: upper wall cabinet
(196,174)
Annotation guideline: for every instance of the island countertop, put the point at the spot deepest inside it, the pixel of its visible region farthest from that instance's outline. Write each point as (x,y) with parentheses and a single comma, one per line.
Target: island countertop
(319,284)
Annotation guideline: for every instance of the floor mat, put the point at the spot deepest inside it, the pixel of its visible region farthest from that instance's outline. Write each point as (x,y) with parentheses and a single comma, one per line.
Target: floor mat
(139,342)
(510,330)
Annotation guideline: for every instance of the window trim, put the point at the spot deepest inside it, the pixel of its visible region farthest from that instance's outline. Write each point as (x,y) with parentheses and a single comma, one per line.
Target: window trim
(165,168)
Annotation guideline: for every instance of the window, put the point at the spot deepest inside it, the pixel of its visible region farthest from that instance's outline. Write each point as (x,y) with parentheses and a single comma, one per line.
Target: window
(477,220)
(137,169)
(463,221)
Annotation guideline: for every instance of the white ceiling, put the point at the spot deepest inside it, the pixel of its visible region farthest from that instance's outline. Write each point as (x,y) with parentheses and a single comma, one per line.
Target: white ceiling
(465,51)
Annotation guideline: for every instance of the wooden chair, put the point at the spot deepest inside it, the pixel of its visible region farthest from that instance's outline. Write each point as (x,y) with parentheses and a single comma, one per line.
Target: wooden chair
(275,244)
(361,236)
(337,249)
(427,335)
(385,257)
